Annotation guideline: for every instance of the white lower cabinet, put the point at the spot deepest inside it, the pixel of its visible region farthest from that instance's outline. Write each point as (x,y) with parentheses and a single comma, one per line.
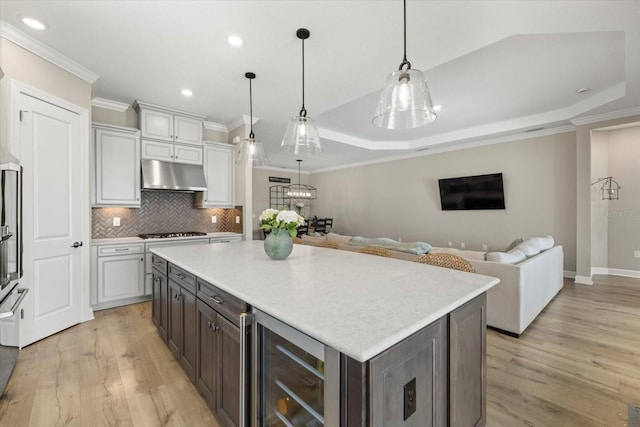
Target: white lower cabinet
(122,273)
(118,275)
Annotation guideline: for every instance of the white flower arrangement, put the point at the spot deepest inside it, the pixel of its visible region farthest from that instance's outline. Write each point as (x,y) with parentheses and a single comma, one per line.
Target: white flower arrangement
(284,219)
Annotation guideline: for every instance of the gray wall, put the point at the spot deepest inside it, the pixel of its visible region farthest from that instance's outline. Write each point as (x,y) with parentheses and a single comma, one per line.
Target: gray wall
(128,118)
(400,199)
(22,65)
(624,214)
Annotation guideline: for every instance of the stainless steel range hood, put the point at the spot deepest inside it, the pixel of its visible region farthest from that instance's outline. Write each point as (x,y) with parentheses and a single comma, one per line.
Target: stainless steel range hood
(158,175)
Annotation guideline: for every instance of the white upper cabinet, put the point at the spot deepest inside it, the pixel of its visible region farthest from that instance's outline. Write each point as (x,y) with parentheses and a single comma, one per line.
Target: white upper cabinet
(116,166)
(165,124)
(169,152)
(156,125)
(219,171)
(187,131)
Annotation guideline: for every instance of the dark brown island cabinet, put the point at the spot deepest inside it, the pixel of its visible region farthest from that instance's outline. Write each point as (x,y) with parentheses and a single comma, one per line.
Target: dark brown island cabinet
(201,326)
(435,377)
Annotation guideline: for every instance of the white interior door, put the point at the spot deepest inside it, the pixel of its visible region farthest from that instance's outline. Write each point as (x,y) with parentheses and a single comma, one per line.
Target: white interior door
(50,147)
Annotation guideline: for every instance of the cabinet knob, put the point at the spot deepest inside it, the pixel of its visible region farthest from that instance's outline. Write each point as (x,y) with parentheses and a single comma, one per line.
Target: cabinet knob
(180,276)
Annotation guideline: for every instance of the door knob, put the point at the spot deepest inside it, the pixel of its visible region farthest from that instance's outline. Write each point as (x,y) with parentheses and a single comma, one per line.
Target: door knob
(76,244)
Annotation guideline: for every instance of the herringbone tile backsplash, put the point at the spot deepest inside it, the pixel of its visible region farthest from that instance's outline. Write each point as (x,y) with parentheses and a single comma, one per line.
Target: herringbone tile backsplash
(162,212)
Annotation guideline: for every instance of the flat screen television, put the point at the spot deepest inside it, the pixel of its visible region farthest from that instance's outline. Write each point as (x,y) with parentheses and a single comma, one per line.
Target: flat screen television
(472,192)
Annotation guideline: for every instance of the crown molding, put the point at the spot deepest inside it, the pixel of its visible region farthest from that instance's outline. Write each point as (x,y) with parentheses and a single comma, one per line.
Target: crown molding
(242,120)
(579,121)
(109,104)
(219,127)
(45,52)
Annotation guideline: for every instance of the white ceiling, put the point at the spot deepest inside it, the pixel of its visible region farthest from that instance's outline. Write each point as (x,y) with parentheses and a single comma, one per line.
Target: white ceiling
(497,67)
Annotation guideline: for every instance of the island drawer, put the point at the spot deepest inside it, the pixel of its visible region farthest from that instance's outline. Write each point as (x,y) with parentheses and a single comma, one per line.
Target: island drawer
(221,301)
(159,264)
(185,279)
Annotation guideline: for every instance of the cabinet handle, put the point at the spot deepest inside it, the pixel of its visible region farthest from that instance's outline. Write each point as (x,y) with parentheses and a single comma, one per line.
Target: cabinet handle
(156,278)
(216,299)
(121,249)
(157,263)
(141,259)
(180,276)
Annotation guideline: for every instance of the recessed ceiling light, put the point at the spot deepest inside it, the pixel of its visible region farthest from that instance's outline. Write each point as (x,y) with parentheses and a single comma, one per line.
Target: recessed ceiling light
(437,107)
(235,41)
(583,90)
(186,92)
(33,23)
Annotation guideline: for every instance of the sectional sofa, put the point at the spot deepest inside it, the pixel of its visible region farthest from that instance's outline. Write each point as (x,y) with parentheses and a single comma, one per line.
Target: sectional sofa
(530,276)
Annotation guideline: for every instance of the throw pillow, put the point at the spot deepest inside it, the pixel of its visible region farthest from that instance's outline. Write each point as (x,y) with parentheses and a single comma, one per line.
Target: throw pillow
(514,256)
(514,244)
(446,260)
(528,249)
(544,243)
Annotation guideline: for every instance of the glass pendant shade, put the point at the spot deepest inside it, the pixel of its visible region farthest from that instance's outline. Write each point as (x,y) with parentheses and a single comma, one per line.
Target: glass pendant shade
(301,136)
(257,155)
(405,102)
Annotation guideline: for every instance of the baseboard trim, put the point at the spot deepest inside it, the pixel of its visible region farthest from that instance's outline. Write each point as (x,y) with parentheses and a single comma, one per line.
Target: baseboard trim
(583,280)
(615,272)
(569,274)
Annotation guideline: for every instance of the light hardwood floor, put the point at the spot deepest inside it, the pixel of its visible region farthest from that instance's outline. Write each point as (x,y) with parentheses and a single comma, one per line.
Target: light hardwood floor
(578,364)
(111,371)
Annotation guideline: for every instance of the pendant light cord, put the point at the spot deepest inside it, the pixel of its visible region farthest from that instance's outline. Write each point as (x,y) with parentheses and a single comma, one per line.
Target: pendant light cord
(404,58)
(303,111)
(251,135)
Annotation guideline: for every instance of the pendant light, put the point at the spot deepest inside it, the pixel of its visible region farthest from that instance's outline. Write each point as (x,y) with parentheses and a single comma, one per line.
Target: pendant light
(301,191)
(405,102)
(255,150)
(610,188)
(302,136)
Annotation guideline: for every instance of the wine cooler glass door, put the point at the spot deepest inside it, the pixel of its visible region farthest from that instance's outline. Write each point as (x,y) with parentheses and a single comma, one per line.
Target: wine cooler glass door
(293,387)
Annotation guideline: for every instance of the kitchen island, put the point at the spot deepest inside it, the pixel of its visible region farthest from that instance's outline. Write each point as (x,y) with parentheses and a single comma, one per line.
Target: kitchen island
(384,318)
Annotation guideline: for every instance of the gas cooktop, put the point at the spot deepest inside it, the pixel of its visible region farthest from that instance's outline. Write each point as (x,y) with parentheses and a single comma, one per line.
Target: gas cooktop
(168,235)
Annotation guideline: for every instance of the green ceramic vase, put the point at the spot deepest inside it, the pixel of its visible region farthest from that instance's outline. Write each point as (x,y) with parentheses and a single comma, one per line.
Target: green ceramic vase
(278,244)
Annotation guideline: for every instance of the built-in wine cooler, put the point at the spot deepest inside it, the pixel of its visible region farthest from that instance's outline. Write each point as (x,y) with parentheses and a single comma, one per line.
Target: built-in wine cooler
(297,377)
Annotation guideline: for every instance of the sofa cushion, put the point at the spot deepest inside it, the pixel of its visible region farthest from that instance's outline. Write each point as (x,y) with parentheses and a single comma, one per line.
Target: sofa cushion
(313,239)
(514,256)
(475,255)
(338,238)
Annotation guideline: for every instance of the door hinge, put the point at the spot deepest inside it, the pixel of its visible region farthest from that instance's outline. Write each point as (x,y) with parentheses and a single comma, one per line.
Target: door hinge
(22,113)
(22,313)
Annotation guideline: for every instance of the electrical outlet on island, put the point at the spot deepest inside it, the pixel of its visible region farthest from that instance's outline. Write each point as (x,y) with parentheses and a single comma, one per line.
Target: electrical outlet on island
(462,245)
(485,247)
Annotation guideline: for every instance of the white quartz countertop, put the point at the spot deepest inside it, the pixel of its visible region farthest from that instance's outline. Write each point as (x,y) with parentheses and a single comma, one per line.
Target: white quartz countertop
(136,239)
(358,304)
